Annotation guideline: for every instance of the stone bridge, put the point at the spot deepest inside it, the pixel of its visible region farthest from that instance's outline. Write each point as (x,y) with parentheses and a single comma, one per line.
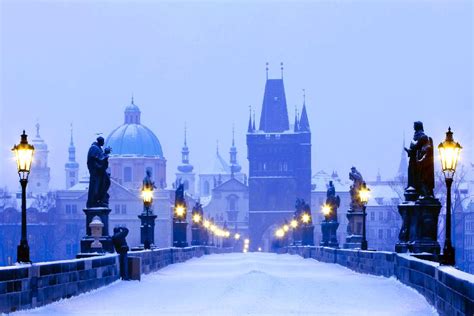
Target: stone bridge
(240,284)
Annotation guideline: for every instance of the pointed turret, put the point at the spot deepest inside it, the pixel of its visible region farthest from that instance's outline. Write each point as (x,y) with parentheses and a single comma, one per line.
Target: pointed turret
(234,165)
(250,129)
(403,166)
(71,167)
(304,122)
(295,127)
(132,113)
(274,117)
(185,166)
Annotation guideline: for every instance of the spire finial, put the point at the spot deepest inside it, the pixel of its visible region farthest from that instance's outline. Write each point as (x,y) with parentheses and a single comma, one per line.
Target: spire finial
(233,134)
(217,146)
(266,68)
(253,125)
(132,99)
(281,68)
(185,135)
(37,129)
(72,141)
(304,96)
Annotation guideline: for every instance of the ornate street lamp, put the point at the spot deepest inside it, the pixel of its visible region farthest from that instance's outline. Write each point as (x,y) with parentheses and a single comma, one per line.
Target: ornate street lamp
(364,195)
(449,151)
(24,157)
(326,210)
(306,218)
(147,196)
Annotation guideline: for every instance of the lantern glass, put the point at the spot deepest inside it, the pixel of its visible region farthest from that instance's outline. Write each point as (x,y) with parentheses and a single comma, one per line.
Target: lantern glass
(180,211)
(206,224)
(449,152)
(280,233)
(305,218)
(286,227)
(197,218)
(237,236)
(147,195)
(23,156)
(364,194)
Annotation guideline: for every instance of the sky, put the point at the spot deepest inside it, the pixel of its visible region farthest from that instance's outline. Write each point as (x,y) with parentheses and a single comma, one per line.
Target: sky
(369,68)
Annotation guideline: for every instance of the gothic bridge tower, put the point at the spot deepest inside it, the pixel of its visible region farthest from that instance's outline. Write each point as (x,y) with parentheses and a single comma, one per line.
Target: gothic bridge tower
(279,164)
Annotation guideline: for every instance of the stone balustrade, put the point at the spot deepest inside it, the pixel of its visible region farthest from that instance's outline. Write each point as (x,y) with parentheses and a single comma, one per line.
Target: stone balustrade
(32,285)
(449,290)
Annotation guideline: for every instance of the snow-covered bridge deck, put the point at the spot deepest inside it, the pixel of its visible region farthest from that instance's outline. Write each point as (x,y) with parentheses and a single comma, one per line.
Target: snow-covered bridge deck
(248,284)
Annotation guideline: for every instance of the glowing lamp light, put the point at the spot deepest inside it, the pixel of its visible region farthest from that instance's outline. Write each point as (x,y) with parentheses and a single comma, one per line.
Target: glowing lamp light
(237,236)
(294,223)
(286,228)
(213,228)
(306,218)
(206,224)
(245,250)
(147,195)
(259,248)
(449,152)
(364,194)
(197,218)
(180,211)
(247,241)
(280,233)
(24,156)
(326,210)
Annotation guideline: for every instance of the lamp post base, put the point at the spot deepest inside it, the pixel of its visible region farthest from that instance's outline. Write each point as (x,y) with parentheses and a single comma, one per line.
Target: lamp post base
(179,234)
(23,253)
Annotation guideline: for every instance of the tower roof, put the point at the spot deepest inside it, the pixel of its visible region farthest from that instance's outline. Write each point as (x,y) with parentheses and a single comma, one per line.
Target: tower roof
(274,117)
(304,122)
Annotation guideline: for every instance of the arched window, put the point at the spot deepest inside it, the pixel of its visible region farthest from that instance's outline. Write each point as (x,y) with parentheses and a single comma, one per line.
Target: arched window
(127,174)
(205,188)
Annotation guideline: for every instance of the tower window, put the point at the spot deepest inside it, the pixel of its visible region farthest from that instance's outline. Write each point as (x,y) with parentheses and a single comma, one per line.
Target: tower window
(127,174)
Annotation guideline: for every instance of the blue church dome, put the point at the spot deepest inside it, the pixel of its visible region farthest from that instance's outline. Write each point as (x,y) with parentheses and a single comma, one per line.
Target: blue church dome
(132,138)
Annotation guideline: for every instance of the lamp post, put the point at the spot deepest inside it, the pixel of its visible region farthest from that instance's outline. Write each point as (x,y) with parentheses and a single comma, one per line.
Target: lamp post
(24,157)
(326,211)
(449,151)
(147,195)
(364,194)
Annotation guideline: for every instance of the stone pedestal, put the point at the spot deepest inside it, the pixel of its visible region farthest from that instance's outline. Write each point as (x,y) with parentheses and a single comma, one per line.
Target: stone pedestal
(419,231)
(354,229)
(179,234)
(196,235)
(105,239)
(329,230)
(307,234)
(147,230)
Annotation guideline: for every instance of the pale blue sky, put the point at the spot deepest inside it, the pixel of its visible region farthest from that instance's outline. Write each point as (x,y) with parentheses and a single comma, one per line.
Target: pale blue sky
(370,68)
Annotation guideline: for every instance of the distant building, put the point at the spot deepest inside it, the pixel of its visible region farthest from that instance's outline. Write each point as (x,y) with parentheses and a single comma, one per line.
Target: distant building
(38,182)
(279,164)
(135,149)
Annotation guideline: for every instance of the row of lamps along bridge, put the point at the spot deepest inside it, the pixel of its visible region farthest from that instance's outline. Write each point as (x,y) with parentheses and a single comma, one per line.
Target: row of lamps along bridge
(449,154)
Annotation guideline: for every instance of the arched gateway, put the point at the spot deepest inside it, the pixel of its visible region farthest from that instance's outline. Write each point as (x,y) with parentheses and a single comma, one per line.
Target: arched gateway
(279,163)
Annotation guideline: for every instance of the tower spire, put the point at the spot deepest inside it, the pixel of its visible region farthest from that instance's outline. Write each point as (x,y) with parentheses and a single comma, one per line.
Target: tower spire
(266,68)
(72,140)
(249,129)
(233,135)
(253,124)
(304,121)
(185,136)
(281,68)
(37,129)
(295,127)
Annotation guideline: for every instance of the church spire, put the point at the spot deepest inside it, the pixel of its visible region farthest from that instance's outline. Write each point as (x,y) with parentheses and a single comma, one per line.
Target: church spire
(185,166)
(274,117)
(234,165)
(304,122)
(71,167)
(250,129)
(295,127)
(403,166)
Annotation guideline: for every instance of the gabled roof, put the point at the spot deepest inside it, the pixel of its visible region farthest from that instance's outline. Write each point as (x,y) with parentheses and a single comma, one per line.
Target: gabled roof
(274,117)
(231,185)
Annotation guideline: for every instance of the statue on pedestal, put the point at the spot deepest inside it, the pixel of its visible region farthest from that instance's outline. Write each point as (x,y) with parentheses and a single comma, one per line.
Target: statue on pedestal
(421,165)
(357,179)
(332,201)
(99,180)
(420,210)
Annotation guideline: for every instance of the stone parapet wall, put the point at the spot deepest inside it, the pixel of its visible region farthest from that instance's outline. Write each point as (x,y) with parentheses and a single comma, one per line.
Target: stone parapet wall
(449,290)
(29,286)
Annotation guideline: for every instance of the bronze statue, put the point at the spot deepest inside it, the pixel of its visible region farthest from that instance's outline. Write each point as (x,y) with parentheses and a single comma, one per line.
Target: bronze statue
(332,201)
(99,181)
(357,179)
(421,165)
